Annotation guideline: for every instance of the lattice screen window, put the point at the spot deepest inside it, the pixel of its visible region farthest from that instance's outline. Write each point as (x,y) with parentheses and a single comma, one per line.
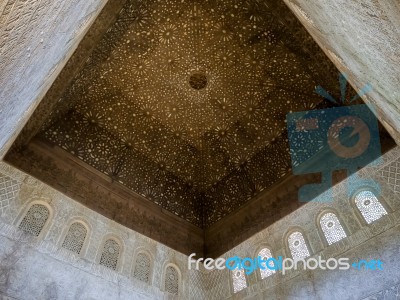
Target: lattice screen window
(35,219)
(369,206)
(110,255)
(75,238)
(171,280)
(142,267)
(238,280)
(297,245)
(265,254)
(332,228)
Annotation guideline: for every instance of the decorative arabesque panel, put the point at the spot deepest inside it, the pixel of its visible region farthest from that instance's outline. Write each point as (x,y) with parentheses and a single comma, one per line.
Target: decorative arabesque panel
(332,228)
(142,267)
(297,245)
(75,238)
(9,189)
(369,206)
(265,254)
(35,219)
(171,280)
(238,280)
(110,254)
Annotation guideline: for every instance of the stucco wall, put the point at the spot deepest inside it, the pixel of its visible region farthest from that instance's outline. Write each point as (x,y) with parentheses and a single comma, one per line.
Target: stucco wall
(30,273)
(39,268)
(379,240)
(37,37)
(362,38)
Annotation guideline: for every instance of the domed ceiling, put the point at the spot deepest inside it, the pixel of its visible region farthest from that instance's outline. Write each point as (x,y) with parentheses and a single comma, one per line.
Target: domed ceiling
(181,101)
(184,102)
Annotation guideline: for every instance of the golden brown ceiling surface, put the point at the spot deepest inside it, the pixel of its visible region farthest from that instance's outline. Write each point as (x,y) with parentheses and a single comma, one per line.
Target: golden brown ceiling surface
(184,102)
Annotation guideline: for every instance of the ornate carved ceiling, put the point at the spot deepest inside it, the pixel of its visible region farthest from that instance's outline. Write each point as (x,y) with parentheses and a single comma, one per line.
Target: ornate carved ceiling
(184,102)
